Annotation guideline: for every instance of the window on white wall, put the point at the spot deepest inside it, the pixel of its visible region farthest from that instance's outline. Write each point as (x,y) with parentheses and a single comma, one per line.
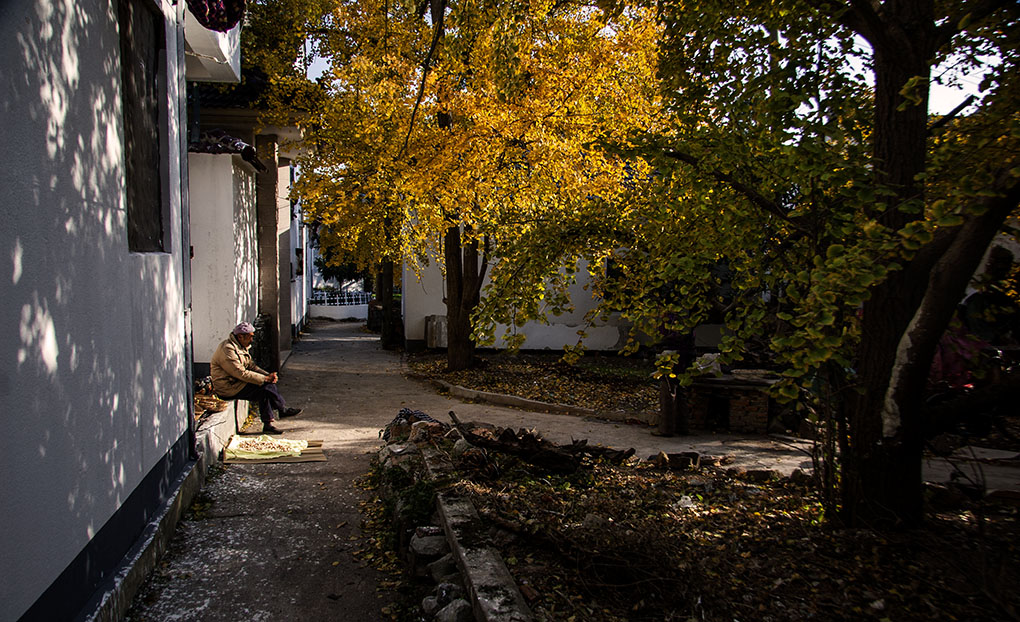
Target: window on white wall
(143,72)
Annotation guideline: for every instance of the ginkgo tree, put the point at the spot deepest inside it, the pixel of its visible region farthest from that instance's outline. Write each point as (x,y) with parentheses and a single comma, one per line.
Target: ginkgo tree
(800,156)
(458,132)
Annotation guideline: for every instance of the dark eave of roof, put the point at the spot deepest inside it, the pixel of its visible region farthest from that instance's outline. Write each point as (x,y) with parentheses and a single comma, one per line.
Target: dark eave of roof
(244,95)
(218,141)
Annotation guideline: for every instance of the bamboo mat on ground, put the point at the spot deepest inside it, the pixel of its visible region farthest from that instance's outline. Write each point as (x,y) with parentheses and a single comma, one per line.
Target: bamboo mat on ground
(312,454)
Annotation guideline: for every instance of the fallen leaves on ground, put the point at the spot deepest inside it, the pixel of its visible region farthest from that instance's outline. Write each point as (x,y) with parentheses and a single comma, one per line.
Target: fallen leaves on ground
(603,383)
(378,548)
(637,543)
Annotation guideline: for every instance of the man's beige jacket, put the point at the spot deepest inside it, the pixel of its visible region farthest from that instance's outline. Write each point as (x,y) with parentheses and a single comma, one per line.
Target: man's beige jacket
(232,367)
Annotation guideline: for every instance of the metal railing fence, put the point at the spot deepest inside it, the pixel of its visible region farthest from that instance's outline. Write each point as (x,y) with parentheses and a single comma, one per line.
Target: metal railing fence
(339,299)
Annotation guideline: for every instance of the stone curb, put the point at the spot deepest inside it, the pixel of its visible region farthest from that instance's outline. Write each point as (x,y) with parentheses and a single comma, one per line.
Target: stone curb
(493,591)
(525,404)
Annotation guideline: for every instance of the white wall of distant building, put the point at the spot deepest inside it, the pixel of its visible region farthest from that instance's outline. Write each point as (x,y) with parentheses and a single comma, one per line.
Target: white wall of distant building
(224,270)
(422,299)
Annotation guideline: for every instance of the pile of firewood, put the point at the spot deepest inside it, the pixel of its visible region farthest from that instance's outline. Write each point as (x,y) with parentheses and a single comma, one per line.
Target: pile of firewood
(530,447)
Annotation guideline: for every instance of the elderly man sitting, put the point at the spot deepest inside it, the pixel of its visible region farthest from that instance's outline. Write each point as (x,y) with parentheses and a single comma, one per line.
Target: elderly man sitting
(235,376)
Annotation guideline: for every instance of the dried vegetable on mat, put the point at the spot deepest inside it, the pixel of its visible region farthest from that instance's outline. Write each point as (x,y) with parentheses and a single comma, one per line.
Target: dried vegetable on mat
(264,446)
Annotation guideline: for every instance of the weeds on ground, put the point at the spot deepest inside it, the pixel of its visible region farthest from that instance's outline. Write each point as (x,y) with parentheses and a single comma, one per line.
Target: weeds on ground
(384,537)
(637,543)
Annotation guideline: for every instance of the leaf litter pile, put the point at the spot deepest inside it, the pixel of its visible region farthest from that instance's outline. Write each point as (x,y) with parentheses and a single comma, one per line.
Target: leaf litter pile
(603,383)
(633,541)
(636,542)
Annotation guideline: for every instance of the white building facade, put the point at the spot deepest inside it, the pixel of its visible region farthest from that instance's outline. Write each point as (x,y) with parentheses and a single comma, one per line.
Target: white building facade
(225,266)
(424,314)
(95,364)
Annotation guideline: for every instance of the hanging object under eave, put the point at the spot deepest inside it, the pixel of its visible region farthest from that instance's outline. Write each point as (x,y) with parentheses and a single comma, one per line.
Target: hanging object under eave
(218,15)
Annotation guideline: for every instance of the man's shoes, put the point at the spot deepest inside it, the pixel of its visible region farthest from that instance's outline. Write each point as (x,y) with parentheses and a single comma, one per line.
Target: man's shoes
(267,428)
(290,412)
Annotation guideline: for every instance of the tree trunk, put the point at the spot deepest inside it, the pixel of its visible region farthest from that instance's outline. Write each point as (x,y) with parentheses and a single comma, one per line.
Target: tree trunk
(907,314)
(389,317)
(667,407)
(882,471)
(464,274)
(674,400)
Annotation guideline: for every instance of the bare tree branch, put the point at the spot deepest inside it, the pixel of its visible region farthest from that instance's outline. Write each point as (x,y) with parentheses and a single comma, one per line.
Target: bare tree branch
(952,114)
(750,193)
(438,10)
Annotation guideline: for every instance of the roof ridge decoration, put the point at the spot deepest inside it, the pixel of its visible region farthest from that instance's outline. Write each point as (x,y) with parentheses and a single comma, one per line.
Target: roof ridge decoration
(218,15)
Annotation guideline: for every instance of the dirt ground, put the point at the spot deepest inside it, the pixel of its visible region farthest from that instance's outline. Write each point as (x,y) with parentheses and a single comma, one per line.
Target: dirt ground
(288,541)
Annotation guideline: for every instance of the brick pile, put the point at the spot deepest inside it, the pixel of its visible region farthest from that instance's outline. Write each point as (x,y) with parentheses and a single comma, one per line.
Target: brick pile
(732,407)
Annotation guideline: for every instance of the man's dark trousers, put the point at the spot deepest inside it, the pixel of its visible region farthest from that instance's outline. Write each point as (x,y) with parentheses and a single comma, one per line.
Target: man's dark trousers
(266,395)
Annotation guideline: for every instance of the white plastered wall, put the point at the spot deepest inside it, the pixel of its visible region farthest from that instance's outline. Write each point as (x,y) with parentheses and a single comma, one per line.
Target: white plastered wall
(424,297)
(284,269)
(92,358)
(300,290)
(224,270)
(421,298)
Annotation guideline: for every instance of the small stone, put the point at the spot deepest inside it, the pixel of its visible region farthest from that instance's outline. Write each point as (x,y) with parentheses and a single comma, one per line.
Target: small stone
(529,593)
(761,475)
(432,547)
(685,502)
(800,478)
(1004,496)
(442,567)
(397,455)
(422,431)
(428,530)
(685,460)
(700,481)
(460,447)
(423,551)
(457,611)
(945,497)
(399,431)
(430,605)
(446,593)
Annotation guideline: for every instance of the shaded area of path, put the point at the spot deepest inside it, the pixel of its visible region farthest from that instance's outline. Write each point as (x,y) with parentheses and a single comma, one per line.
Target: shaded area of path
(278,541)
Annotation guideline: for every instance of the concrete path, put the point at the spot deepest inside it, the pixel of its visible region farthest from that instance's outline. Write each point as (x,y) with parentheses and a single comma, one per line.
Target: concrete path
(280,541)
